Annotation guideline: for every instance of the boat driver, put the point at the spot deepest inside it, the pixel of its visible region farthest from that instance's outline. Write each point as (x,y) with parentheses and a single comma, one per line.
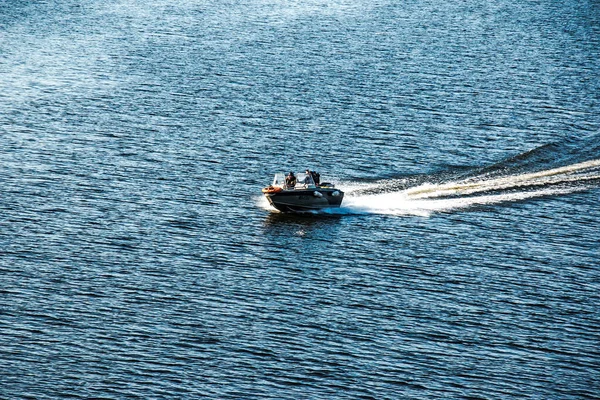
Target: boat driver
(290,180)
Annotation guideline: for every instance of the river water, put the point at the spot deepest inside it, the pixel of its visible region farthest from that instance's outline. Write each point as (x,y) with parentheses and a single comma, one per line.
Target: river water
(138,258)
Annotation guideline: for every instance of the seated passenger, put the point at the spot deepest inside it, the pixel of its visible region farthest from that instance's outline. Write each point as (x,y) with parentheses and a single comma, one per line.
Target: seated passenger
(290,180)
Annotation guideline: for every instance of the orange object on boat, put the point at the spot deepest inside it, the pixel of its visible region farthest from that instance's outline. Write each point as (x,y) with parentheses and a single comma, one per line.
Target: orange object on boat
(272,189)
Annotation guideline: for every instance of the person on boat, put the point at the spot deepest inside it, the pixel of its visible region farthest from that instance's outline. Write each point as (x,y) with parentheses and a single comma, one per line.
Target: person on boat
(308,180)
(316,177)
(311,178)
(290,180)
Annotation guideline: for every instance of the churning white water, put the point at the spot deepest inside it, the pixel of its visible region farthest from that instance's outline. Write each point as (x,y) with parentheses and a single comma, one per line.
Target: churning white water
(429,197)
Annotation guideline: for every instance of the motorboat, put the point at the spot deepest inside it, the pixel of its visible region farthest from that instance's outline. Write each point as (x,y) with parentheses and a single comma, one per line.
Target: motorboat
(293,195)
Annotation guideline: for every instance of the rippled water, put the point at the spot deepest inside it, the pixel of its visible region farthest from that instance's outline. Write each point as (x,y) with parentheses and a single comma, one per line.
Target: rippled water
(138,258)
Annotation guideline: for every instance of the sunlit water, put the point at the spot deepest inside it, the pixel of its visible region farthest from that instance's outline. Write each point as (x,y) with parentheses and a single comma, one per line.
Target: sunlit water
(140,260)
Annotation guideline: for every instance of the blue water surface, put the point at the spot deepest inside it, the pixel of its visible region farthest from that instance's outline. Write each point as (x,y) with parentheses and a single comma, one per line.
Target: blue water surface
(138,258)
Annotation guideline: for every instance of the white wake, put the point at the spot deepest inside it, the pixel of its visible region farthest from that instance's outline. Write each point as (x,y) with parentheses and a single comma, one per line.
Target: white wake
(427,198)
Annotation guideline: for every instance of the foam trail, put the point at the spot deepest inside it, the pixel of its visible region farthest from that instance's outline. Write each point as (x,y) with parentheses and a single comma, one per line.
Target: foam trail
(570,173)
(401,204)
(428,198)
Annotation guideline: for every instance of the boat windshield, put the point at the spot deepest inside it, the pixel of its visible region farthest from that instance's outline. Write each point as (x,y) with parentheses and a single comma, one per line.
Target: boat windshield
(279,180)
(302,181)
